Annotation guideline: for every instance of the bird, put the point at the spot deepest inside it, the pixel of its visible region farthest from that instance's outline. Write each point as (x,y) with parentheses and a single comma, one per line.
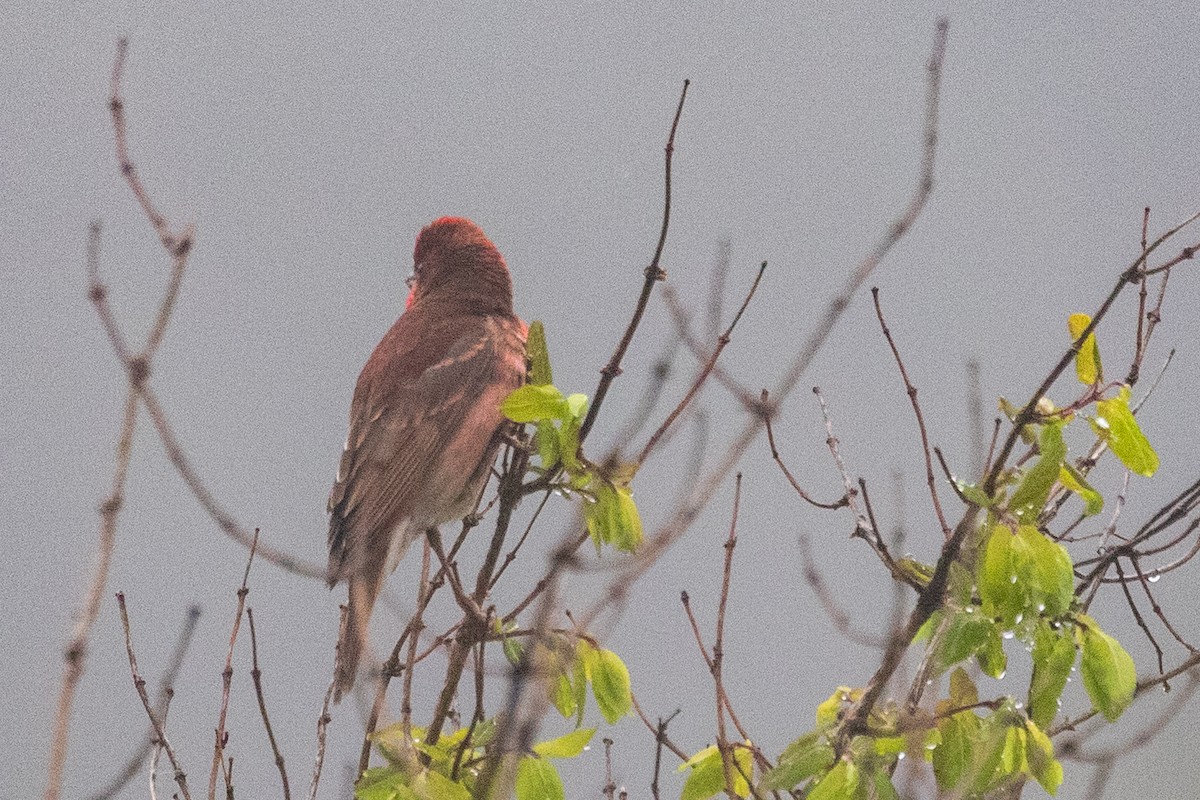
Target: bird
(425,419)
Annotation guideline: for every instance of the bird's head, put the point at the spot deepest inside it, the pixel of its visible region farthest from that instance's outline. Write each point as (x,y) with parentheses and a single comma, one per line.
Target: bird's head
(454,263)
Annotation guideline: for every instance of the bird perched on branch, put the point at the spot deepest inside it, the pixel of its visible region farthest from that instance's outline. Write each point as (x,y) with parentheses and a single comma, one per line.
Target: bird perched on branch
(425,421)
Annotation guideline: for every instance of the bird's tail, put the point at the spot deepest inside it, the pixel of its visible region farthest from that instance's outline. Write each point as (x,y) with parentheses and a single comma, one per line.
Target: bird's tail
(362,595)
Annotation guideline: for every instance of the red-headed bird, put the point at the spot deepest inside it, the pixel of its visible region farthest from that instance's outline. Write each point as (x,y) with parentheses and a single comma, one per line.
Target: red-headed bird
(425,421)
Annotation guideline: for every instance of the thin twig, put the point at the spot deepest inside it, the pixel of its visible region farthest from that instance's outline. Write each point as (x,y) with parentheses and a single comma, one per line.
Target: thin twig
(256,675)
(137,760)
(221,736)
(912,397)
(841,502)
(653,274)
(722,341)
(140,685)
(325,718)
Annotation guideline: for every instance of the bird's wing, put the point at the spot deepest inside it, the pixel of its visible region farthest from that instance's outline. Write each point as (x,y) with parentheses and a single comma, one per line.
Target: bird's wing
(410,400)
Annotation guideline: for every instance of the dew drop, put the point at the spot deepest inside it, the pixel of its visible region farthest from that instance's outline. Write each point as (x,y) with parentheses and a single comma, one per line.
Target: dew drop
(1012,578)
(1154,578)
(900,756)
(1000,677)
(1041,607)
(1018,618)
(1007,634)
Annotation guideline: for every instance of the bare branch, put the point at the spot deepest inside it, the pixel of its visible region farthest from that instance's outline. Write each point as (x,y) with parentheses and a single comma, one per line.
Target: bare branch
(155,721)
(653,274)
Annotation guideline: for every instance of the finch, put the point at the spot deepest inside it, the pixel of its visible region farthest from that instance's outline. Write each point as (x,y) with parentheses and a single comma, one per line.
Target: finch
(425,421)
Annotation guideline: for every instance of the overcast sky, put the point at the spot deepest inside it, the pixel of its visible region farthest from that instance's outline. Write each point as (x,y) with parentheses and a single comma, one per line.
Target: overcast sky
(309,145)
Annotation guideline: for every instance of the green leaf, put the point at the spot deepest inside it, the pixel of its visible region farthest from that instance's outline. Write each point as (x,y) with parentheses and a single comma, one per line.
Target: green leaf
(547,443)
(989,746)
(568,445)
(707,776)
(889,745)
(800,760)
(532,403)
(537,779)
(954,755)
(564,696)
(513,650)
(1053,657)
(884,788)
(991,657)
(741,768)
(1039,755)
(1109,675)
(1116,423)
(431,785)
(974,494)
(577,405)
(829,710)
(610,685)
(538,355)
(1087,360)
(1030,496)
(926,631)
(1073,479)
(566,746)
(613,517)
(1050,573)
(585,654)
(383,783)
(840,783)
(1024,574)
(965,633)
(920,574)
(999,574)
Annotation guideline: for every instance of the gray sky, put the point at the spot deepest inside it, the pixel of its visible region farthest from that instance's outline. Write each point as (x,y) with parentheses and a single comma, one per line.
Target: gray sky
(309,146)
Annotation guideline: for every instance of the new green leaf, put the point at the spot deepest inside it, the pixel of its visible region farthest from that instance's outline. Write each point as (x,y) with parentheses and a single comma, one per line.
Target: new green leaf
(538,355)
(1087,359)
(537,779)
(1116,423)
(1053,657)
(610,685)
(1109,675)
(531,403)
(566,746)
(800,760)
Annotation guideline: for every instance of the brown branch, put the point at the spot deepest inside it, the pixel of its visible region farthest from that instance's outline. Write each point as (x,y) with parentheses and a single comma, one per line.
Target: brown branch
(221,736)
(679,317)
(75,654)
(702,377)
(256,675)
(1137,616)
(912,397)
(841,502)
(705,487)
(610,788)
(1029,412)
(137,759)
(325,718)
(155,721)
(653,274)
